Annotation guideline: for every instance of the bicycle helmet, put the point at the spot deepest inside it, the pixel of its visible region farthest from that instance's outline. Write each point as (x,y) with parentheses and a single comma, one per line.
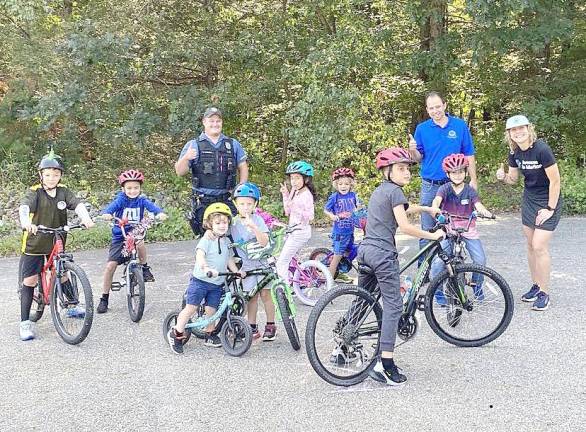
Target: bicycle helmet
(342,172)
(392,156)
(249,190)
(130,175)
(454,162)
(217,208)
(300,167)
(51,160)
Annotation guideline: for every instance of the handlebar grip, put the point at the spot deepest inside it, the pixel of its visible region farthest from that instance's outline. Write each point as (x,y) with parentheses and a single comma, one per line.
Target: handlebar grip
(209,274)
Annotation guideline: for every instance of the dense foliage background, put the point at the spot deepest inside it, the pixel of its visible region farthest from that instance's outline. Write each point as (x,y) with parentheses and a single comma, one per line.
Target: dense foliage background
(119,84)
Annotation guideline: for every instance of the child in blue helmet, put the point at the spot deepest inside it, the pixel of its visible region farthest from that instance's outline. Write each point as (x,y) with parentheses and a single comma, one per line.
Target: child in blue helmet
(249,226)
(299,206)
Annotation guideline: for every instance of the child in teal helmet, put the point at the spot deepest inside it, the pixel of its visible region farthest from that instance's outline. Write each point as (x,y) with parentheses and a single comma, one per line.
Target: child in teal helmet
(247,225)
(299,206)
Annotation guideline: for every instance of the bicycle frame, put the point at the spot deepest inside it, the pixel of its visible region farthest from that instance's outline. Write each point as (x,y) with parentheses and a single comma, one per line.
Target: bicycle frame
(52,268)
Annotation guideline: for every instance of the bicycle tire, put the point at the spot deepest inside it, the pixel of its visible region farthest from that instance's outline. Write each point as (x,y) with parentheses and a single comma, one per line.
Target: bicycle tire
(493,281)
(242,331)
(170,321)
(320,254)
(310,334)
(308,272)
(288,320)
(136,297)
(81,279)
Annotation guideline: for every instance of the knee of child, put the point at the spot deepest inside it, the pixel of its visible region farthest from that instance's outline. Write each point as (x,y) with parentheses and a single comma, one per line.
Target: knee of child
(111,266)
(30,281)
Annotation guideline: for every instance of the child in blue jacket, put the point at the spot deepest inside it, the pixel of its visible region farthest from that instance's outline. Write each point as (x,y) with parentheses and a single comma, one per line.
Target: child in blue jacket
(129,204)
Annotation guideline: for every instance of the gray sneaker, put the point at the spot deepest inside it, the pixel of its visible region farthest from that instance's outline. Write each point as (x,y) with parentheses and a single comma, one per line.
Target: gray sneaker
(26,330)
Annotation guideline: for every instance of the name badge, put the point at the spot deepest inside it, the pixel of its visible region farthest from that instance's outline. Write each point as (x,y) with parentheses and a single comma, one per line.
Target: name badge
(61,205)
(464,202)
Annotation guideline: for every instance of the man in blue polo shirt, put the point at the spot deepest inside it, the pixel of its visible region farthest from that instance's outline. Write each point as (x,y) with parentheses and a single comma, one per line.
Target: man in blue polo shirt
(215,162)
(435,139)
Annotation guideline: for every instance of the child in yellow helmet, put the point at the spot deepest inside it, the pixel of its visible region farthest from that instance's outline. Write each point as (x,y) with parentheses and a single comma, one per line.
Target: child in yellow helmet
(212,256)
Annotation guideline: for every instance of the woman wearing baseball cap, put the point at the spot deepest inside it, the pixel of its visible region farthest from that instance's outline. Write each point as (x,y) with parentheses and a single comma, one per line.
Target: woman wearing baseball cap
(541,206)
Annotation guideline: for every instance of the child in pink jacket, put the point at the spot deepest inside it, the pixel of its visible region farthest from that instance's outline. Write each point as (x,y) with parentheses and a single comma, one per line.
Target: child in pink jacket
(298,204)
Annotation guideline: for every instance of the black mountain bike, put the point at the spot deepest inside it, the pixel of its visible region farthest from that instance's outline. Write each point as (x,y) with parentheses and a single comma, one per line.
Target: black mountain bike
(342,335)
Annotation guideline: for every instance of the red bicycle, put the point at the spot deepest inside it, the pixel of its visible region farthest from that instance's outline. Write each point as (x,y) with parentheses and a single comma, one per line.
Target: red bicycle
(64,286)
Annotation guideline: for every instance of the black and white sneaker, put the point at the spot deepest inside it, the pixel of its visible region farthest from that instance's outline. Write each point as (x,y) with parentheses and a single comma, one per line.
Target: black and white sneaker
(103,306)
(390,377)
(340,356)
(175,342)
(213,341)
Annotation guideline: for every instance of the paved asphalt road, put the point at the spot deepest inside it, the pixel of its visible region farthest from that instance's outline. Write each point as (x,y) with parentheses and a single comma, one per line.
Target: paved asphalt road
(124,378)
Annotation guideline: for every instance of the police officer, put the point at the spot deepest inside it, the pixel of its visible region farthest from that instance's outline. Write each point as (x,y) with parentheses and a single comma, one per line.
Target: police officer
(215,162)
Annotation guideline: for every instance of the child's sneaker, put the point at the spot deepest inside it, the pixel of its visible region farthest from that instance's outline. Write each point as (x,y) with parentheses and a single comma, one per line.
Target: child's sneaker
(340,356)
(213,341)
(531,295)
(391,377)
(256,334)
(146,274)
(542,301)
(75,312)
(103,306)
(270,333)
(344,278)
(26,330)
(175,342)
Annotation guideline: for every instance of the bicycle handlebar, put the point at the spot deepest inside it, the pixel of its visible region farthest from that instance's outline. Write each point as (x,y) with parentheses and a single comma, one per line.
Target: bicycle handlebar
(211,274)
(63,229)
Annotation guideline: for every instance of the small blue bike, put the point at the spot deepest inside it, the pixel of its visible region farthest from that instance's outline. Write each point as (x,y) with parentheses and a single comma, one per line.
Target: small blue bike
(233,330)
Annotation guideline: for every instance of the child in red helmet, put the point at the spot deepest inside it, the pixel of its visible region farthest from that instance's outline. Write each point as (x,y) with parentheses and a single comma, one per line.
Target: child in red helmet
(129,204)
(339,208)
(387,211)
(459,198)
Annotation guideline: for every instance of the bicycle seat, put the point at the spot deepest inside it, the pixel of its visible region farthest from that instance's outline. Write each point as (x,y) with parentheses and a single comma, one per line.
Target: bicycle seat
(364,269)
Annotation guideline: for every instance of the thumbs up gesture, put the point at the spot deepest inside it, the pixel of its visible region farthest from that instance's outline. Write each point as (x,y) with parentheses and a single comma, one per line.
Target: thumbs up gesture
(500,173)
(412,143)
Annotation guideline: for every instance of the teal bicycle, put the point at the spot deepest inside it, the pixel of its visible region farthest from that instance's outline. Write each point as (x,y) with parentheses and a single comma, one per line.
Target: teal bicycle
(233,330)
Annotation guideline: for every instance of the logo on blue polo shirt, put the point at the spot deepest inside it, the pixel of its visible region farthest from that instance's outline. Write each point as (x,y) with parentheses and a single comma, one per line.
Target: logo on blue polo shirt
(452,134)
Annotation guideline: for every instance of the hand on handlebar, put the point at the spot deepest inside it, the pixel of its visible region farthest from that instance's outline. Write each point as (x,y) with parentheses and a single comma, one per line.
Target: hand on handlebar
(439,235)
(212,272)
(31,228)
(88,223)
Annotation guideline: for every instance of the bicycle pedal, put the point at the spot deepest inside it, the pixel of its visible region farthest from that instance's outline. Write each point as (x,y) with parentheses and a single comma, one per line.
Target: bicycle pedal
(421,303)
(116,286)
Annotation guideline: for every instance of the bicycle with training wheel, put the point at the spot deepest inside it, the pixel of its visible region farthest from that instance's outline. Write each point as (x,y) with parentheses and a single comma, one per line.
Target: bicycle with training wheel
(233,330)
(65,287)
(309,279)
(346,264)
(342,335)
(132,277)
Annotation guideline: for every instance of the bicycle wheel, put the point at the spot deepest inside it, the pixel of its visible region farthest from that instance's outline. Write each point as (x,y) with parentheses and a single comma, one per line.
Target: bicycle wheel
(236,336)
(136,293)
(170,321)
(485,313)
(310,280)
(321,255)
(38,305)
(287,318)
(73,313)
(342,335)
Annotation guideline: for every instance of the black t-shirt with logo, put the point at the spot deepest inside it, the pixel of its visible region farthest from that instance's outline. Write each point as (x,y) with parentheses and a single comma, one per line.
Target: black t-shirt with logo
(532,163)
(48,211)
